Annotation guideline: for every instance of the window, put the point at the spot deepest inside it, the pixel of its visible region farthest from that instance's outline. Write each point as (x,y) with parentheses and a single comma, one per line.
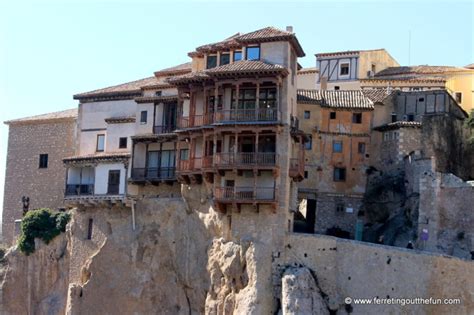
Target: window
(100,143)
(158,93)
(386,136)
(411,117)
(309,144)
(253,53)
(373,68)
(247,99)
(225,59)
(184,154)
(332,115)
(339,207)
(305,174)
(344,69)
(89,229)
(211,101)
(123,143)
(337,88)
(307,114)
(211,61)
(143,116)
(357,118)
(267,98)
(43,161)
(339,174)
(394,117)
(237,55)
(337,146)
(458,97)
(361,147)
(421,99)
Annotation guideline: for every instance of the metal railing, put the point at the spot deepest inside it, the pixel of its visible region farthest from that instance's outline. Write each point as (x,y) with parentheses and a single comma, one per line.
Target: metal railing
(242,115)
(163,129)
(245,193)
(154,173)
(79,189)
(246,159)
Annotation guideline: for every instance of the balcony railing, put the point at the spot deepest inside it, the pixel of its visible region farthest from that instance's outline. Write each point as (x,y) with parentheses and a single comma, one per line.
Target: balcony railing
(195,121)
(191,164)
(246,159)
(79,189)
(247,194)
(163,129)
(153,173)
(242,115)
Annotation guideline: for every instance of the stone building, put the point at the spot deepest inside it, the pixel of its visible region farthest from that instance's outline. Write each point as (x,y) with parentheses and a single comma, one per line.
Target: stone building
(36,147)
(344,70)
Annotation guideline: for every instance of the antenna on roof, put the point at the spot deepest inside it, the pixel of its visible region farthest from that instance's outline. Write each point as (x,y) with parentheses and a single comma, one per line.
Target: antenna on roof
(409,47)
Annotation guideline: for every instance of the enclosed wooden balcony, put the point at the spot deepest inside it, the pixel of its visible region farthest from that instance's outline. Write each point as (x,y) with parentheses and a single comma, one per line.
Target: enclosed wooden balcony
(246,115)
(244,195)
(195,121)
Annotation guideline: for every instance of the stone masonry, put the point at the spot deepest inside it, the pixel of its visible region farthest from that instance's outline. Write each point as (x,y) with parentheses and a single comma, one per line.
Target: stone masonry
(51,134)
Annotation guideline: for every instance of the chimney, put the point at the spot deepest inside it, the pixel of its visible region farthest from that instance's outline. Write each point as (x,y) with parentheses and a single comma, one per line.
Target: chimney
(289,29)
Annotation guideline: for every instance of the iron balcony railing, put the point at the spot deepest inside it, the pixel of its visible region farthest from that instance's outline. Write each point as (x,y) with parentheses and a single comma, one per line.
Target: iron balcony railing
(164,129)
(154,173)
(246,159)
(245,194)
(79,189)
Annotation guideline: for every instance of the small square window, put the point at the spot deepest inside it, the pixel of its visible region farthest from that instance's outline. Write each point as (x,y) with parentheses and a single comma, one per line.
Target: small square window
(394,117)
(305,174)
(158,93)
(357,118)
(100,143)
(337,88)
(411,117)
(337,146)
(339,174)
(237,55)
(143,116)
(253,53)
(339,207)
(43,161)
(332,115)
(123,143)
(458,97)
(309,144)
(361,147)
(225,59)
(344,69)
(211,62)
(307,114)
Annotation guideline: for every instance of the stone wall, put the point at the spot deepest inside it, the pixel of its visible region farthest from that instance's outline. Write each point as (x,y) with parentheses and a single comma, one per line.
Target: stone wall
(23,177)
(345,268)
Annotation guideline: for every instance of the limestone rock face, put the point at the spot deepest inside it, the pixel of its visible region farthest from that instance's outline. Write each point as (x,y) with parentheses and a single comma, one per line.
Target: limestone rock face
(300,293)
(35,284)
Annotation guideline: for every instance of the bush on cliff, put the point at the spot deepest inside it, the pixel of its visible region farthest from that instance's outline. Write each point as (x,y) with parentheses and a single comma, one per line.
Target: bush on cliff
(43,224)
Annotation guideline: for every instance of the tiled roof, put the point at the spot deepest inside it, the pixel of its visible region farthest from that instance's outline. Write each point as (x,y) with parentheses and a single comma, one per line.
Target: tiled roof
(267,34)
(120,120)
(347,52)
(417,70)
(377,95)
(129,88)
(398,125)
(179,69)
(346,99)
(409,78)
(308,70)
(242,67)
(112,156)
(68,114)
(469,66)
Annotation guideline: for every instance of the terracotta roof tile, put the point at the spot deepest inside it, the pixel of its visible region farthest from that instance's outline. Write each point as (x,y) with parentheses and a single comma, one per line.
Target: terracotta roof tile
(267,34)
(104,156)
(346,52)
(417,70)
(308,70)
(151,99)
(132,87)
(398,125)
(335,99)
(179,69)
(236,68)
(378,95)
(61,115)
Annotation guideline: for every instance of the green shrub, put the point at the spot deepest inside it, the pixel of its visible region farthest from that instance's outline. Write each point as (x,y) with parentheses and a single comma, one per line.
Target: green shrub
(43,224)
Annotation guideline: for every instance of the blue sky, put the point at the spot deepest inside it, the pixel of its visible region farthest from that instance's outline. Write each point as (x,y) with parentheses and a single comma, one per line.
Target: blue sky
(50,50)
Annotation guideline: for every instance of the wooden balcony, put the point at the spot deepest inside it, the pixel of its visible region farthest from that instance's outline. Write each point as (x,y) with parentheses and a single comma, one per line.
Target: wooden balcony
(240,160)
(296,170)
(245,195)
(195,121)
(153,174)
(246,115)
